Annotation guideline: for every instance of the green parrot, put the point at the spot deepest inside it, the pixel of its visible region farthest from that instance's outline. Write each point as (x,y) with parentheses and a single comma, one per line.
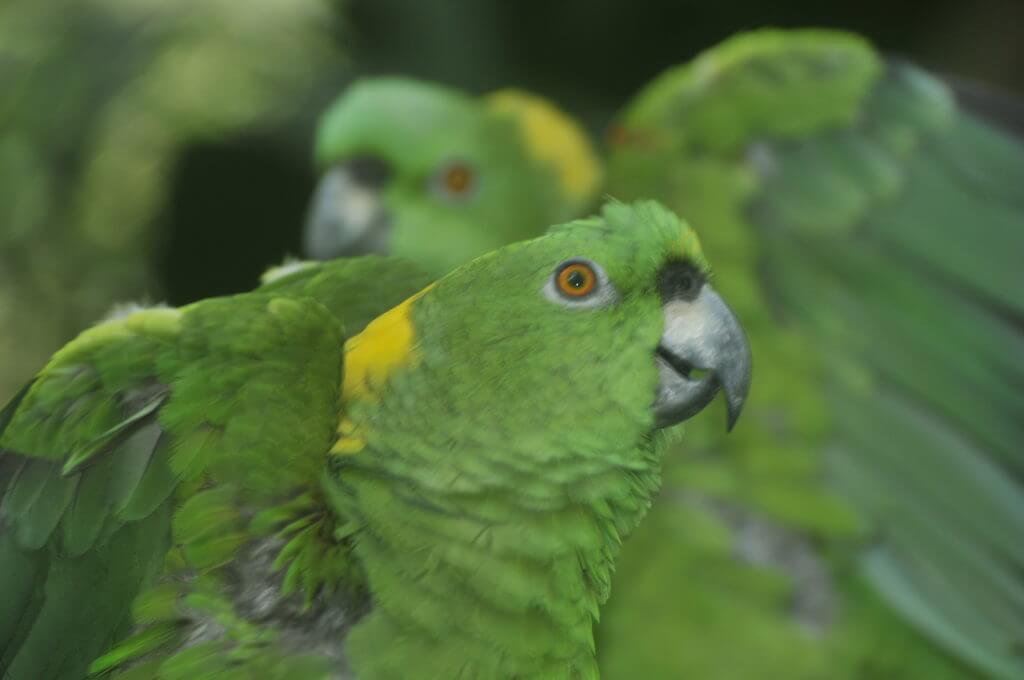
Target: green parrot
(289,483)
(866,520)
(416,168)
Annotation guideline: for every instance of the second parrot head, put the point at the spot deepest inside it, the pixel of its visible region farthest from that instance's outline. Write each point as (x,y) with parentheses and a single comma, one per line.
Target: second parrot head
(438,176)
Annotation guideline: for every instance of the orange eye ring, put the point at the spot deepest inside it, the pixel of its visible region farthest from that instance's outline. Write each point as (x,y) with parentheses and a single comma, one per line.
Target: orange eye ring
(455,180)
(576,280)
(458,178)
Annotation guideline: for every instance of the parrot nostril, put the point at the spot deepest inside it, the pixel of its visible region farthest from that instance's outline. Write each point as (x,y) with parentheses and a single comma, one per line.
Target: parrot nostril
(371,172)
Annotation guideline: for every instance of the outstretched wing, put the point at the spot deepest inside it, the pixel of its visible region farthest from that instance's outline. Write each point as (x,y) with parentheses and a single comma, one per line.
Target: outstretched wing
(885,225)
(123,425)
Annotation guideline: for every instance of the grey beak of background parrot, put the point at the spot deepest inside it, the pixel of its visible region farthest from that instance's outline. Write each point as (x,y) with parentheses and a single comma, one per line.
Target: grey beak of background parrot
(703,335)
(346,216)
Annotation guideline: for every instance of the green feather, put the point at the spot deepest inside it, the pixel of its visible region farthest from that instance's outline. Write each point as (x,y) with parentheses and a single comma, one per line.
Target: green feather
(153,488)
(12,406)
(34,526)
(74,625)
(138,645)
(81,456)
(21,581)
(25,487)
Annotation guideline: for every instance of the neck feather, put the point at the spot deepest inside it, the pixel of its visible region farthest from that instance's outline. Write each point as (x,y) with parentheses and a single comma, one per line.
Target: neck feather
(500,549)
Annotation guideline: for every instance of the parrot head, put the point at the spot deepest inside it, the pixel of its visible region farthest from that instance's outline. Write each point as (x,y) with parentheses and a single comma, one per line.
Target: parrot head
(611,321)
(550,365)
(437,176)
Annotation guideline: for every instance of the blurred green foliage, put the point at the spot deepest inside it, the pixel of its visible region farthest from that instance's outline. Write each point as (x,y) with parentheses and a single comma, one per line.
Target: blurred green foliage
(100,97)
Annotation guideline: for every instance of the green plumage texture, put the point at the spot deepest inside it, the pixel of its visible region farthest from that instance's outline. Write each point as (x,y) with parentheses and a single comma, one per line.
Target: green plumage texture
(865,516)
(355,290)
(143,435)
(171,506)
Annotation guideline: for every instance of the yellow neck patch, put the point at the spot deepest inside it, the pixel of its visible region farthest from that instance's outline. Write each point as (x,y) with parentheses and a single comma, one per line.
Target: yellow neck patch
(553,138)
(386,344)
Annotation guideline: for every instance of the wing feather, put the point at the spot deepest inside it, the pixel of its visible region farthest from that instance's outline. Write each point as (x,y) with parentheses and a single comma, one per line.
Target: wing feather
(890,237)
(93,455)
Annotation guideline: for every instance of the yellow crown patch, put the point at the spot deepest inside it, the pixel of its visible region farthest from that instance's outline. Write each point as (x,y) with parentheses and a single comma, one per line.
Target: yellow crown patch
(554,138)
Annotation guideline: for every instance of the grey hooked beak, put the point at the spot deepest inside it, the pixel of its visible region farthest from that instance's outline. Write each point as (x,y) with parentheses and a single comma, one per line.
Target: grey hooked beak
(701,334)
(346,215)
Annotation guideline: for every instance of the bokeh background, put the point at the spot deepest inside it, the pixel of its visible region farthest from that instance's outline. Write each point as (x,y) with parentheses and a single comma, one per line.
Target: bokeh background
(159,149)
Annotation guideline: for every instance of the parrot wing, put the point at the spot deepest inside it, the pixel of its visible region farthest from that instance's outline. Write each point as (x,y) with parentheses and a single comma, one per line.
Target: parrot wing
(884,224)
(354,289)
(133,450)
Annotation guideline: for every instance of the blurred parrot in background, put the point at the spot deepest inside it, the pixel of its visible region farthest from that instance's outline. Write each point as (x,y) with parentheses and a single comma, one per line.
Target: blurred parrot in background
(867,518)
(213,491)
(417,168)
(99,99)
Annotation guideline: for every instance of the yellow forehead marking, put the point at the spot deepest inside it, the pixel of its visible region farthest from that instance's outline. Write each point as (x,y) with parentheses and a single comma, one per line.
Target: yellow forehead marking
(689,245)
(386,344)
(552,137)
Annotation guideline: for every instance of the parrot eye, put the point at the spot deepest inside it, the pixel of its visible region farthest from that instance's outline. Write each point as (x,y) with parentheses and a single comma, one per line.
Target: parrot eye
(576,280)
(579,282)
(455,180)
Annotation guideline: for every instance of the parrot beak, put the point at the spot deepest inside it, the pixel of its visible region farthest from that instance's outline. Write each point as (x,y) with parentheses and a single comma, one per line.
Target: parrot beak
(346,216)
(701,334)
